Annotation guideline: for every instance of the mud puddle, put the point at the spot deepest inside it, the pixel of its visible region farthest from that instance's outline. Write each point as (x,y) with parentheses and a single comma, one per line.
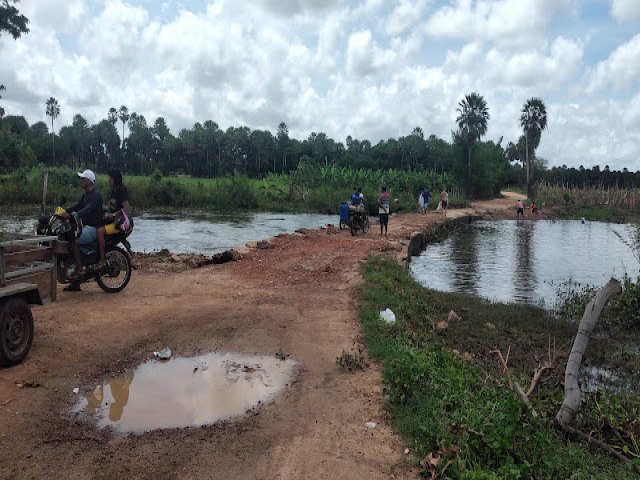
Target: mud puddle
(184,392)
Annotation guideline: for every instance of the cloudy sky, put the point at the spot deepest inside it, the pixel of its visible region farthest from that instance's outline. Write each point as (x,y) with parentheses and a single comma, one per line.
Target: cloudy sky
(372,69)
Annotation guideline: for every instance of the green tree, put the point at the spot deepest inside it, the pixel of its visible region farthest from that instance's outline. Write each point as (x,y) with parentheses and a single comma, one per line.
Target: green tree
(283,146)
(112,116)
(11,20)
(533,121)
(53,111)
(473,117)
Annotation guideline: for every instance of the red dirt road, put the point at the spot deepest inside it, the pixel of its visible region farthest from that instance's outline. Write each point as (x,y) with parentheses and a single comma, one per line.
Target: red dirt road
(297,297)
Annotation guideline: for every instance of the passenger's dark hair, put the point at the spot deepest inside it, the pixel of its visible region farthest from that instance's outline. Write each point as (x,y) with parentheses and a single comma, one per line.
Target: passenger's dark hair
(117,177)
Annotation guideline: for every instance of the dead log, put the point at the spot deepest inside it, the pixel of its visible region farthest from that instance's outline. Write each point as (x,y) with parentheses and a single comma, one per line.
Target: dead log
(572,395)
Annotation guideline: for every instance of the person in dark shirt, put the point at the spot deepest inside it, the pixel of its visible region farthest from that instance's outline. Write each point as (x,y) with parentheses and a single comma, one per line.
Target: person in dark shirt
(117,215)
(89,209)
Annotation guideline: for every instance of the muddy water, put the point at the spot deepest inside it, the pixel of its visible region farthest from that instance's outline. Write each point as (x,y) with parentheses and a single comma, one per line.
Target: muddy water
(525,261)
(197,232)
(184,392)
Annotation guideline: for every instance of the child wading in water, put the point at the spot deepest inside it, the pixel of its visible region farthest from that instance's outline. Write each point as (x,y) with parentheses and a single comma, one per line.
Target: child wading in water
(519,209)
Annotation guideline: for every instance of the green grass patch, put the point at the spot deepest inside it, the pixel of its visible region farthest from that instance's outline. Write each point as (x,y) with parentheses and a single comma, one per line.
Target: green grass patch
(462,410)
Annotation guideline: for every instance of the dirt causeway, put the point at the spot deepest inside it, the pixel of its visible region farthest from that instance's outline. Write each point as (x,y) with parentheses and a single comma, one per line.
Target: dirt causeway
(296,296)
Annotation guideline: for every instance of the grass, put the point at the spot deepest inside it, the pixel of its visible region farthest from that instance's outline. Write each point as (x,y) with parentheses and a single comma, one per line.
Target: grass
(462,411)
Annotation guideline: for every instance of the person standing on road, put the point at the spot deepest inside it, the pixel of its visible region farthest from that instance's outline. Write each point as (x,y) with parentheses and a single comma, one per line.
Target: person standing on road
(444,200)
(383,210)
(519,209)
(423,200)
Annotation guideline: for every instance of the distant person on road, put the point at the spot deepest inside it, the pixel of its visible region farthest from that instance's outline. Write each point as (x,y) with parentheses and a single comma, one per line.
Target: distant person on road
(383,210)
(519,209)
(423,199)
(444,200)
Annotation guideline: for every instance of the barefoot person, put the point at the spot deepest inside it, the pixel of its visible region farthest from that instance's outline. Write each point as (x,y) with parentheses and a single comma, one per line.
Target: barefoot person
(519,209)
(383,210)
(444,200)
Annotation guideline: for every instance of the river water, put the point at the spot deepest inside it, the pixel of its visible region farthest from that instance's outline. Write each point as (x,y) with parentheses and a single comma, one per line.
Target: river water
(195,232)
(525,261)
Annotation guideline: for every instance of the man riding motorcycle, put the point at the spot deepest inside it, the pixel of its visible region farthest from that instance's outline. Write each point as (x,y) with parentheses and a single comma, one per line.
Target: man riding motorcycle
(89,209)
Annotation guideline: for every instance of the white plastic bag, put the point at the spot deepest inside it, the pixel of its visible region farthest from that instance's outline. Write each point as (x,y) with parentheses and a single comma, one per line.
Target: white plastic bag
(388,316)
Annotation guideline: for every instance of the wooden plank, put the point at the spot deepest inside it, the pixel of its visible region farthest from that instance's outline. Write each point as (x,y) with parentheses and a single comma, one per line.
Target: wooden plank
(36,268)
(17,288)
(41,279)
(23,257)
(21,239)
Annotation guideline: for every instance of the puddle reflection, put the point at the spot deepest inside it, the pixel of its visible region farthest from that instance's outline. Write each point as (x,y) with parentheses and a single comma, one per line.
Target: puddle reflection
(184,392)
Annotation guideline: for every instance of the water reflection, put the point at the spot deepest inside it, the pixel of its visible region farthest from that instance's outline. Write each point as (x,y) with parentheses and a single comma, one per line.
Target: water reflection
(198,232)
(525,279)
(525,261)
(185,392)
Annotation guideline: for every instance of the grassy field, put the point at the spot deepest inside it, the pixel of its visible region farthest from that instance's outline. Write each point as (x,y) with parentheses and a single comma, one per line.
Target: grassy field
(447,394)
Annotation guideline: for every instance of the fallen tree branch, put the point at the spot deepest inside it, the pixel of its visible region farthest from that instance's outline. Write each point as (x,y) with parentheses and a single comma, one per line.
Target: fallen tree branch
(513,384)
(594,441)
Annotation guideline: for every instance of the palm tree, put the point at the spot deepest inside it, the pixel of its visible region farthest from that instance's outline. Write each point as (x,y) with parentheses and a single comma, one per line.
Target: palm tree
(472,122)
(533,121)
(1,109)
(123,114)
(53,111)
(112,116)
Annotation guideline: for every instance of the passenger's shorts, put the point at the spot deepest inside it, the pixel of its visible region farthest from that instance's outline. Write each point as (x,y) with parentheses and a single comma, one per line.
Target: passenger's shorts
(88,236)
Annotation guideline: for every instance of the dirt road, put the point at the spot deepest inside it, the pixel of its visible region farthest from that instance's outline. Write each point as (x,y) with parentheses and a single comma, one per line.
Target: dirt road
(296,297)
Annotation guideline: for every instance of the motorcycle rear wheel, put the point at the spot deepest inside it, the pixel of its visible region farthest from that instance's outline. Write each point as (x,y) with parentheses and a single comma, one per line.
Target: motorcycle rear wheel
(118,273)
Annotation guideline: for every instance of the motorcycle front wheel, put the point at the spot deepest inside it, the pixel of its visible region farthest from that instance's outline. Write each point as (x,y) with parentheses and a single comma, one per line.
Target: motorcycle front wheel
(118,271)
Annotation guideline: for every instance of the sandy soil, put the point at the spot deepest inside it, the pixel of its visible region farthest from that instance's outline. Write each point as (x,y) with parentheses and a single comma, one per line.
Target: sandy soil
(295,296)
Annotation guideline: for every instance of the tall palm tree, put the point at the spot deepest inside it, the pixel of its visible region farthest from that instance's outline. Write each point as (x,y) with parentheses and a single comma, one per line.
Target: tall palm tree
(112,116)
(1,109)
(123,114)
(473,116)
(533,121)
(53,111)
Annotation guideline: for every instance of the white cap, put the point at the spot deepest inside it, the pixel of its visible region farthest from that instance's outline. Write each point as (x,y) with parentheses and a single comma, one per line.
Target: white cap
(89,175)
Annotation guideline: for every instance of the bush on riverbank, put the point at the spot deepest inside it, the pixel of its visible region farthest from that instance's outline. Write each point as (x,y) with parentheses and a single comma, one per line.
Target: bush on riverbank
(464,411)
(310,189)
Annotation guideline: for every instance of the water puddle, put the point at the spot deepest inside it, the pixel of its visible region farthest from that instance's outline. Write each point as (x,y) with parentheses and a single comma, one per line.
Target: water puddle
(185,392)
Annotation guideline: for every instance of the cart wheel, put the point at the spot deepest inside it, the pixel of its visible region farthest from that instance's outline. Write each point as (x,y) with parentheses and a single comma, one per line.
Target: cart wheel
(352,226)
(341,224)
(365,224)
(16,331)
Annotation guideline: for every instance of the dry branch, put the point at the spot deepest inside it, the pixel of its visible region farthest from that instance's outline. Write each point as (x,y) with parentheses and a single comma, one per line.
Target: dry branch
(572,394)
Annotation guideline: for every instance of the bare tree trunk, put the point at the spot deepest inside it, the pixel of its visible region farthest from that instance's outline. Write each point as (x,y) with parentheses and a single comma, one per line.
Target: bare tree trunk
(526,150)
(572,394)
(45,184)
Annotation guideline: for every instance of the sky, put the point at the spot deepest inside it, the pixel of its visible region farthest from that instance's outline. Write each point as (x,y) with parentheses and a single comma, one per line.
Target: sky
(371,69)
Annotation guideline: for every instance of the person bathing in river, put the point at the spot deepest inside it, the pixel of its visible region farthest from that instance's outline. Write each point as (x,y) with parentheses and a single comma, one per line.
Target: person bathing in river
(519,209)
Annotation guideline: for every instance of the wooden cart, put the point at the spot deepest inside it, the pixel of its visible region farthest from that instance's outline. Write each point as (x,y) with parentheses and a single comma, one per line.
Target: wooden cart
(28,276)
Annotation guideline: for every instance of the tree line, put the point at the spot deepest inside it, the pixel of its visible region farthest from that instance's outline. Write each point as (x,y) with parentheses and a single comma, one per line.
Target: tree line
(206,150)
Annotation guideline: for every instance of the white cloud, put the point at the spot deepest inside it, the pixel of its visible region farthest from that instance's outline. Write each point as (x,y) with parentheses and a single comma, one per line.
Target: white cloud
(367,68)
(405,14)
(621,70)
(58,16)
(625,10)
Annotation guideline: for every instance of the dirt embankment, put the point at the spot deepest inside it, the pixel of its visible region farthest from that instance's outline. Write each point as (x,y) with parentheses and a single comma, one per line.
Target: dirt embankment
(295,296)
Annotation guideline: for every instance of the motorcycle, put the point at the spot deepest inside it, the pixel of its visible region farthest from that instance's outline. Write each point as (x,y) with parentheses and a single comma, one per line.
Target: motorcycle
(116,273)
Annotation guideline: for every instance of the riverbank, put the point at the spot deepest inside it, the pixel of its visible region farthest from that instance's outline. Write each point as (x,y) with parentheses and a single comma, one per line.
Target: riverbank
(296,295)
